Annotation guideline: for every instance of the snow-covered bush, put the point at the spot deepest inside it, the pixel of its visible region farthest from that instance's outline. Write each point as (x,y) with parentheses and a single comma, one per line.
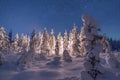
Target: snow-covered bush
(25,58)
(66,56)
(112,60)
(55,62)
(70,78)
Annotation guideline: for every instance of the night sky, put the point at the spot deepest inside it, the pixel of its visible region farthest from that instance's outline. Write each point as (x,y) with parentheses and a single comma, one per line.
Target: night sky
(22,16)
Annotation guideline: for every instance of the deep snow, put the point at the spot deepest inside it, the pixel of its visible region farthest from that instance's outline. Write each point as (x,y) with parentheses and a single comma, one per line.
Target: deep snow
(39,70)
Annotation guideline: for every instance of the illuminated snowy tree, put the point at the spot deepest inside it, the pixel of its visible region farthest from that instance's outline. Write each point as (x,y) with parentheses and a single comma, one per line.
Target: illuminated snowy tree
(76,46)
(28,50)
(70,45)
(65,41)
(73,39)
(38,43)
(60,43)
(57,48)
(24,43)
(45,43)
(4,40)
(52,43)
(33,41)
(92,48)
(15,44)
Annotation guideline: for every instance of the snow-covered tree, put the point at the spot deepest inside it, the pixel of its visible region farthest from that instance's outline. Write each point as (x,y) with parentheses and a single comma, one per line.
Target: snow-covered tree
(76,45)
(92,48)
(33,41)
(28,50)
(57,48)
(4,40)
(65,41)
(38,43)
(15,44)
(66,55)
(45,47)
(52,43)
(60,43)
(10,36)
(73,39)
(24,43)
(70,45)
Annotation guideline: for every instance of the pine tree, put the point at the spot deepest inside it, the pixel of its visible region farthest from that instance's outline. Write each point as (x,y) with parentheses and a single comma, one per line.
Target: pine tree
(15,44)
(66,55)
(38,43)
(60,44)
(4,40)
(33,41)
(73,41)
(65,41)
(93,47)
(76,46)
(27,51)
(52,43)
(10,36)
(45,43)
(57,48)
(70,45)
(24,43)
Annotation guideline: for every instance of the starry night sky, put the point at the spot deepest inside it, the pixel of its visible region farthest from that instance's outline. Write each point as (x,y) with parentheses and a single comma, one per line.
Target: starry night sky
(22,16)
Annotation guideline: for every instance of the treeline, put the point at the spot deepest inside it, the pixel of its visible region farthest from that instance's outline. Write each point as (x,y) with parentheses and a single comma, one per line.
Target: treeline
(115,44)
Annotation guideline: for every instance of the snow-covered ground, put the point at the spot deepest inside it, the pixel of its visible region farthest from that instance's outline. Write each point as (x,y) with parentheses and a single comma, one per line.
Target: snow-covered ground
(39,70)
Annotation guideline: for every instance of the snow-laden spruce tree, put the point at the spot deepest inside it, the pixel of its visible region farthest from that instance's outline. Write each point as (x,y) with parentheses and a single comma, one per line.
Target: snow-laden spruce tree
(4,40)
(45,47)
(52,43)
(70,45)
(60,44)
(66,54)
(92,47)
(21,42)
(57,48)
(28,51)
(10,36)
(76,45)
(15,44)
(65,41)
(38,43)
(24,43)
(72,41)
(33,41)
